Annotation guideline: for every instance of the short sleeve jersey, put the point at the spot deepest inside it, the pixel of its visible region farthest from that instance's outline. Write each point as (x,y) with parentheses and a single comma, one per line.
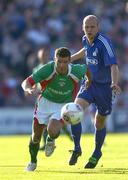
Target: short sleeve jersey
(99,58)
(59,88)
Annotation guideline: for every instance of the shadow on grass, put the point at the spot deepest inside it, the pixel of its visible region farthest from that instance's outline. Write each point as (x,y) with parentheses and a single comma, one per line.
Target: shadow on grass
(92,171)
(85,171)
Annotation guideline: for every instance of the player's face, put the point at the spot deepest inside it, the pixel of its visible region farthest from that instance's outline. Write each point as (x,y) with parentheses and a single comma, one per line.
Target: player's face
(90,28)
(62,64)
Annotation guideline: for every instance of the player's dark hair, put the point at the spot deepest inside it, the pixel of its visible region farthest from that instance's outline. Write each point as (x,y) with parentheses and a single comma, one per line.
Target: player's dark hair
(62,52)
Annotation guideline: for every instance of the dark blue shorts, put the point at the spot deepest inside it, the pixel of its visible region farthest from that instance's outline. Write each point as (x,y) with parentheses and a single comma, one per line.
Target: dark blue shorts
(100,95)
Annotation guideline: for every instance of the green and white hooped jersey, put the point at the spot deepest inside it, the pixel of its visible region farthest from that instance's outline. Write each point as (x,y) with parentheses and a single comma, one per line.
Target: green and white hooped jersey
(59,88)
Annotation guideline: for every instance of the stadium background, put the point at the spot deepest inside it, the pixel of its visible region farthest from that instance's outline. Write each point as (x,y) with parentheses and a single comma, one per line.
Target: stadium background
(26,26)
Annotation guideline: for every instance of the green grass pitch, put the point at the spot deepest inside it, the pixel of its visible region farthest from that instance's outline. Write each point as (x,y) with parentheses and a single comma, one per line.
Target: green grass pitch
(113,165)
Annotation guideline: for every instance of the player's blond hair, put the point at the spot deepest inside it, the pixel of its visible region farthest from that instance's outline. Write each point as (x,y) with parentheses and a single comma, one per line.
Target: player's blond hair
(89,17)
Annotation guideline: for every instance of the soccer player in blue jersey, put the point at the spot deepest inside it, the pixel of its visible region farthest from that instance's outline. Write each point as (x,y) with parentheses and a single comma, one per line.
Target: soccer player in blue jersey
(101,61)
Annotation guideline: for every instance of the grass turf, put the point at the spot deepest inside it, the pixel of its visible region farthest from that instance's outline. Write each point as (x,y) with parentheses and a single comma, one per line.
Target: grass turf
(114,163)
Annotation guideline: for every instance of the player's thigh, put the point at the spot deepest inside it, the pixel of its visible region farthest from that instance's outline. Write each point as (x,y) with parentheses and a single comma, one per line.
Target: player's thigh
(103,99)
(43,110)
(84,97)
(82,102)
(55,123)
(92,110)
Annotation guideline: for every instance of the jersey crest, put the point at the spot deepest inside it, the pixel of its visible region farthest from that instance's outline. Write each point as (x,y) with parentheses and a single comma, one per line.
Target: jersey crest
(95,52)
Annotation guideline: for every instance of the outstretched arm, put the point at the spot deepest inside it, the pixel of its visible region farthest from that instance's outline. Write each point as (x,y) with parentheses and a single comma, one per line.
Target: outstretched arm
(80,54)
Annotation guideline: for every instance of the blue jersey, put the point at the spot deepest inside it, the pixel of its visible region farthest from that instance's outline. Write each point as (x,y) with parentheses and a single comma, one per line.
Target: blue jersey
(99,58)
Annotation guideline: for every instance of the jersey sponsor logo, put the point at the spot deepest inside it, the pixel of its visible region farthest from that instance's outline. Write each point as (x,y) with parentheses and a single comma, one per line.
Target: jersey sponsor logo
(91,61)
(59,92)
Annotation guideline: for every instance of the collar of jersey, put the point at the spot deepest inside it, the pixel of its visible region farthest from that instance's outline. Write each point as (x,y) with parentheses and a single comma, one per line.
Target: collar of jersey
(84,38)
(69,69)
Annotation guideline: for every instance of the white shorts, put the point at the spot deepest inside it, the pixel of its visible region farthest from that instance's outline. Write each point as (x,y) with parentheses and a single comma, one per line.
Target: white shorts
(47,110)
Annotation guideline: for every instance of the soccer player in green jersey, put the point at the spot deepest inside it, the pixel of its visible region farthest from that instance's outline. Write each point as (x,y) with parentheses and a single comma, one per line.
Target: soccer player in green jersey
(42,57)
(61,79)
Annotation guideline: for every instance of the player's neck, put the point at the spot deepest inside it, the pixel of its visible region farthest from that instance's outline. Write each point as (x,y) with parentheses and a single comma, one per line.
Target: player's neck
(61,72)
(90,41)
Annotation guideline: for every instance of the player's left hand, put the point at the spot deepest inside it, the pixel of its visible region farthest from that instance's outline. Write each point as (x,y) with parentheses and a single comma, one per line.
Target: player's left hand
(116,88)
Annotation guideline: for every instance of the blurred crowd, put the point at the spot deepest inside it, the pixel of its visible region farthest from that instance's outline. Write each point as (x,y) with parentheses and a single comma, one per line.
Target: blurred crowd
(27,26)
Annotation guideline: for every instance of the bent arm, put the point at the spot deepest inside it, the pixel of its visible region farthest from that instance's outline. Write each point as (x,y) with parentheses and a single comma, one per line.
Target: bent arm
(80,54)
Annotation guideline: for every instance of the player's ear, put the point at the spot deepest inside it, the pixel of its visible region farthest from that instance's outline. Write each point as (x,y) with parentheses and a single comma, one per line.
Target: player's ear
(82,27)
(54,58)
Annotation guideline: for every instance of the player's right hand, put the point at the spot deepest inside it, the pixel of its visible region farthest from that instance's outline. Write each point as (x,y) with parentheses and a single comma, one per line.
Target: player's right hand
(116,89)
(26,93)
(87,84)
(29,92)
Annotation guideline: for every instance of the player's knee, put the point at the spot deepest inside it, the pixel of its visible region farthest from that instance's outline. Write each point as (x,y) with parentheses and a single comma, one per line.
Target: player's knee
(35,138)
(99,122)
(54,135)
(53,128)
(53,132)
(99,125)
